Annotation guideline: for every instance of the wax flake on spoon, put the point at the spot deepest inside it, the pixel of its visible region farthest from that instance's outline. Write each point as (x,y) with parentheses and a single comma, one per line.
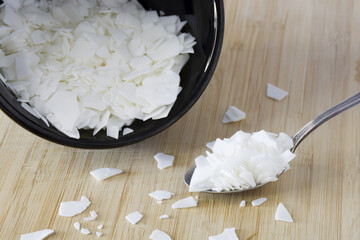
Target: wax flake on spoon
(85,231)
(275,92)
(161,195)
(282,214)
(104,173)
(134,217)
(233,114)
(258,202)
(72,208)
(93,216)
(77,225)
(228,234)
(159,235)
(39,235)
(164,160)
(242,204)
(185,203)
(127,131)
(164,216)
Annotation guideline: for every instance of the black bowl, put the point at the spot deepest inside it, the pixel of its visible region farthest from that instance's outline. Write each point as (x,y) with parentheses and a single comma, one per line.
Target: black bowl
(205,22)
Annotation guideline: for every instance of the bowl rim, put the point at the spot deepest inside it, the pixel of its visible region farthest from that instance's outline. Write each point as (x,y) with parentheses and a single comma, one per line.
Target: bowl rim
(32,127)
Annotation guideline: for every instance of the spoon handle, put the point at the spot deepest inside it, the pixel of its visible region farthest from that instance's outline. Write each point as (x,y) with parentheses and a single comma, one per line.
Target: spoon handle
(323,117)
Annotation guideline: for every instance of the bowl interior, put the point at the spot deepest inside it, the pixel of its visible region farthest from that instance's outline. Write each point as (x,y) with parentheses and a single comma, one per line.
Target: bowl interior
(204,21)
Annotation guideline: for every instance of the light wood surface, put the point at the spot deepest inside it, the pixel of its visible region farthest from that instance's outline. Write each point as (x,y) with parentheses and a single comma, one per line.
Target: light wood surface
(310,48)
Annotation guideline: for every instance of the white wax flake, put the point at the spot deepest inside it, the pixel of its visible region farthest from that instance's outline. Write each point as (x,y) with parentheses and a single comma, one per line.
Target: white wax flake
(134,217)
(233,114)
(210,145)
(258,202)
(242,203)
(90,64)
(159,235)
(99,234)
(127,131)
(77,225)
(185,203)
(164,216)
(39,235)
(197,197)
(72,208)
(93,216)
(282,214)
(275,92)
(242,161)
(104,173)
(100,226)
(160,202)
(85,231)
(164,160)
(161,195)
(228,234)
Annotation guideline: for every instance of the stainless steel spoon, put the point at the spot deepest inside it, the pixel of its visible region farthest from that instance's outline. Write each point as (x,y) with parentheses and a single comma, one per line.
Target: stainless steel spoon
(299,136)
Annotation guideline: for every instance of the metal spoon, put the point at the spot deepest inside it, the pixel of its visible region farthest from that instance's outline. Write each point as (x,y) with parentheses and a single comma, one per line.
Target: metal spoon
(299,136)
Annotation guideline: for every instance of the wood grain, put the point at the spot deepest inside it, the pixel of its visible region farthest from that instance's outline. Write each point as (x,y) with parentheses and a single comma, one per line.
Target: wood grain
(310,48)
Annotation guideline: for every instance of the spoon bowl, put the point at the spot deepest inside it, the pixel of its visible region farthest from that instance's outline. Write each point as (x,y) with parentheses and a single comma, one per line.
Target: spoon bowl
(297,138)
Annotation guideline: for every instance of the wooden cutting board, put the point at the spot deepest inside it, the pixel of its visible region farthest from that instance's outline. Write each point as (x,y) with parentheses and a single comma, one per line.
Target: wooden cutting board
(310,48)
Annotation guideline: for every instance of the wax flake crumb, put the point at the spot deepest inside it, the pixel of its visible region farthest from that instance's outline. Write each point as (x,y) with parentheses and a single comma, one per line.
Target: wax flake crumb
(233,114)
(164,160)
(160,202)
(275,92)
(72,208)
(85,231)
(164,216)
(242,204)
(93,216)
(258,202)
(99,234)
(282,214)
(77,225)
(127,131)
(159,235)
(197,197)
(38,235)
(100,226)
(161,195)
(228,234)
(104,173)
(210,145)
(134,217)
(185,203)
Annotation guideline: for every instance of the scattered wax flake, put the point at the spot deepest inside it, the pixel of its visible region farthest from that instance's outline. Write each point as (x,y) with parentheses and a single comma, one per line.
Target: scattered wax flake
(197,197)
(209,145)
(233,114)
(161,195)
(282,214)
(72,208)
(159,235)
(164,216)
(99,234)
(164,160)
(39,235)
(84,199)
(228,234)
(134,217)
(242,204)
(85,231)
(160,202)
(275,92)
(93,216)
(100,226)
(185,203)
(127,131)
(77,225)
(258,202)
(104,173)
